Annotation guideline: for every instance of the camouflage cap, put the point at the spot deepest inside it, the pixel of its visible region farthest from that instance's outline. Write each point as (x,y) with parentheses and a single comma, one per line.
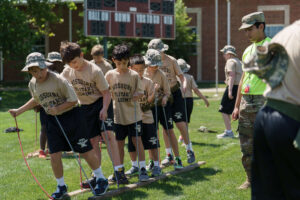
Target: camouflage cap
(269,63)
(228,49)
(54,56)
(35,59)
(158,45)
(183,65)
(250,19)
(153,58)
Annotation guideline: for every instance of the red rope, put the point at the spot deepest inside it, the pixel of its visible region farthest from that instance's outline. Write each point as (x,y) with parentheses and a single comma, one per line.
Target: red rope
(35,129)
(27,162)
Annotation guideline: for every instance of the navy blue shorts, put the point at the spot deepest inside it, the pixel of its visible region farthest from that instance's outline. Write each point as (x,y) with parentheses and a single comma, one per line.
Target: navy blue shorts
(43,117)
(128,130)
(227,105)
(74,126)
(149,138)
(177,107)
(166,123)
(94,124)
(189,108)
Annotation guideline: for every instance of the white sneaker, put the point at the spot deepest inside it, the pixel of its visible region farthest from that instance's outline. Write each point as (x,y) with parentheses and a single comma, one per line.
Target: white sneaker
(226,134)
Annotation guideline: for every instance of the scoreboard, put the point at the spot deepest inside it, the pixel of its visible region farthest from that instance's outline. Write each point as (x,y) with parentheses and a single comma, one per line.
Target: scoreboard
(130,18)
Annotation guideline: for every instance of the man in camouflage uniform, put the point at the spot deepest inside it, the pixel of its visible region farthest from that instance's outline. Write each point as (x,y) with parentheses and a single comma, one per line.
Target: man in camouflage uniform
(251,88)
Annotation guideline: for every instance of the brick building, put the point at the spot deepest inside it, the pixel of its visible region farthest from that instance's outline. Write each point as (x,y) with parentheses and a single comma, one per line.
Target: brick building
(279,13)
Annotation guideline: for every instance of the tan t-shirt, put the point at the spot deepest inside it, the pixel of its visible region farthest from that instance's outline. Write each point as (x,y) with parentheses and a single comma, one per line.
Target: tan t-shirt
(53,92)
(104,66)
(122,87)
(159,78)
(148,88)
(233,65)
(190,85)
(288,90)
(171,69)
(87,83)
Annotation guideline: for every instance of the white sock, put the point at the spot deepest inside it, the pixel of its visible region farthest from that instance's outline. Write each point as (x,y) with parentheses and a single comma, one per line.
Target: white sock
(60,181)
(134,163)
(168,151)
(118,167)
(98,173)
(156,163)
(189,147)
(142,164)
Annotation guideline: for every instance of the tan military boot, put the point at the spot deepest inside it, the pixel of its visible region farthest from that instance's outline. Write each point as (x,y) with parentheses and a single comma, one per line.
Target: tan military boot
(245,185)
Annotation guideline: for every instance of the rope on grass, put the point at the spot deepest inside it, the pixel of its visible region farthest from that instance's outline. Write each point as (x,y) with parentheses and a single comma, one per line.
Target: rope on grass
(36,180)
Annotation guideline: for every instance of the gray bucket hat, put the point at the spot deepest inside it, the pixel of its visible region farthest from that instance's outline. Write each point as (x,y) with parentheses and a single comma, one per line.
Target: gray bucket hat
(269,63)
(250,19)
(54,56)
(228,49)
(158,45)
(35,59)
(183,65)
(153,58)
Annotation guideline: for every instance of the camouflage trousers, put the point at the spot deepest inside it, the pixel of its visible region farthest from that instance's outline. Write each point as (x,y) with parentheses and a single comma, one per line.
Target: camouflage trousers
(249,107)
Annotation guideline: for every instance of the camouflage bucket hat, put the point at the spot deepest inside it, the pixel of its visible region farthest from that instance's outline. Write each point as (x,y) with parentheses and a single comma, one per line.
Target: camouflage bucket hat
(269,63)
(35,59)
(158,45)
(54,56)
(228,49)
(250,19)
(153,58)
(183,65)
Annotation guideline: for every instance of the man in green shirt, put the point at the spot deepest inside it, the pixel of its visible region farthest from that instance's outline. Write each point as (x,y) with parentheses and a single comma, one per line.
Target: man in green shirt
(250,92)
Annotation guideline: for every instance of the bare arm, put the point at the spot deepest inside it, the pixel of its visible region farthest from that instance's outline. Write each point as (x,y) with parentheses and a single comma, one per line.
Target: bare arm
(235,114)
(27,106)
(200,95)
(106,102)
(183,82)
(58,109)
(231,78)
(152,96)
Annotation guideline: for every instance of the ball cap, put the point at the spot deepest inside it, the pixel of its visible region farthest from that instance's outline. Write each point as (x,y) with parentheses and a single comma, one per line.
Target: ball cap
(54,56)
(250,19)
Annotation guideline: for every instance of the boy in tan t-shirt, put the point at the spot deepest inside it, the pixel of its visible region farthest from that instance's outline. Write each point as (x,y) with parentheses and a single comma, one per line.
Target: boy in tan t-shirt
(149,136)
(94,96)
(59,99)
(162,112)
(97,53)
(125,86)
(173,71)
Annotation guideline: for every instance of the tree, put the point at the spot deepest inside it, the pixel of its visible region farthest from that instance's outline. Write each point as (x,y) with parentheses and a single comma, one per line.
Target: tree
(181,47)
(22,24)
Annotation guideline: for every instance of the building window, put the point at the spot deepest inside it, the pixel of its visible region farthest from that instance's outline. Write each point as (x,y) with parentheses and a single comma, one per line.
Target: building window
(98,28)
(93,4)
(272,30)
(148,30)
(122,29)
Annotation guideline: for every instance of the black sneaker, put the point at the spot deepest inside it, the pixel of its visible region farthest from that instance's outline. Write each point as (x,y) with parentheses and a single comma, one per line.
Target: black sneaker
(190,156)
(92,181)
(60,192)
(122,179)
(150,165)
(178,164)
(101,186)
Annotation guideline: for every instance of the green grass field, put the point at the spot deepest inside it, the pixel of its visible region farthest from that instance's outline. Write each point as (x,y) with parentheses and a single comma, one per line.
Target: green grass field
(216,180)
